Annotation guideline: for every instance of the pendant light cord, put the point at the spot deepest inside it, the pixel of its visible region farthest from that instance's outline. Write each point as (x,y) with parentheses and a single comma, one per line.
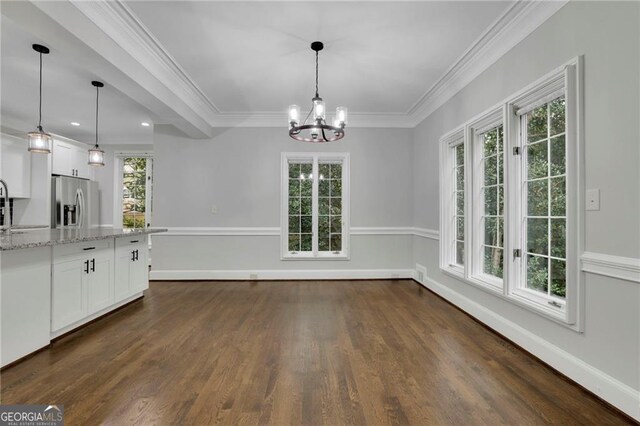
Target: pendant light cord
(317,96)
(97,96)
(40,103)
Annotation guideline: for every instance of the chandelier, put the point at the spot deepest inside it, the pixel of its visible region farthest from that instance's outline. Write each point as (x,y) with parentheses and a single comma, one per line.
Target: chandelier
(316,130)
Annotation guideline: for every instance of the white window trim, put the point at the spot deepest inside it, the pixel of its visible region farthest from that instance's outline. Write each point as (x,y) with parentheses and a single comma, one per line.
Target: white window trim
(117,186)
(315,157)
(448,230)
(568,78)
(490,119)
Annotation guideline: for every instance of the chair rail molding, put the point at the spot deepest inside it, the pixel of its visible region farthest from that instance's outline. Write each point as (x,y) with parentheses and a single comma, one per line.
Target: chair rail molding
(624,268)
(275,231)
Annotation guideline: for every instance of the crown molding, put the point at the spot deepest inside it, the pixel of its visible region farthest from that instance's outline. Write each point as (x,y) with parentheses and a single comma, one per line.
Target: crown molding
(279,119)
(506,32)
(120,23)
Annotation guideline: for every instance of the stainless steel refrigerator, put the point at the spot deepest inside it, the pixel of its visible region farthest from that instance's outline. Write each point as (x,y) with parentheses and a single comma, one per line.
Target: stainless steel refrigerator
(74,202)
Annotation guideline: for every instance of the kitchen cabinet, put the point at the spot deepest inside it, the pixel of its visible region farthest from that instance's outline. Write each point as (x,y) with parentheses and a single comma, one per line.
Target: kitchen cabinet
(132,266)
(15,168)
(83,281)
(70,159)
(25,302)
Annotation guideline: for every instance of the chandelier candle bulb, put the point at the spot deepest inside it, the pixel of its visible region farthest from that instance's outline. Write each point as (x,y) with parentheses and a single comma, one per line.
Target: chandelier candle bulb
(318,109)
(294,115)
(341,114)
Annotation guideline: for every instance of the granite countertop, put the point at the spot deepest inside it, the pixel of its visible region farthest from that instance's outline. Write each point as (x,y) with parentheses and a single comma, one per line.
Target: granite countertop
(52,237)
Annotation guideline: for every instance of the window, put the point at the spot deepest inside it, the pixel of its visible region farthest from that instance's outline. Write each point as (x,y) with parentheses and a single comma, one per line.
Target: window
(487,134)
(134,198)
(452,215)
(522,163)
(315,206)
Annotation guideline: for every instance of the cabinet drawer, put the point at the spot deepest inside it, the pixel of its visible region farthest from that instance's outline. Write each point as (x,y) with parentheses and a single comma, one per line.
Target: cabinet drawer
(136,240)
(82,249)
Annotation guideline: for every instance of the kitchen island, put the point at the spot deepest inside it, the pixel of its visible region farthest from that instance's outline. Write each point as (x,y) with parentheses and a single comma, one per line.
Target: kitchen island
(55,280)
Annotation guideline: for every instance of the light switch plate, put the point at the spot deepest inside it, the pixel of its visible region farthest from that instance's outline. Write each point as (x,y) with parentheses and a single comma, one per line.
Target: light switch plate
(593,199)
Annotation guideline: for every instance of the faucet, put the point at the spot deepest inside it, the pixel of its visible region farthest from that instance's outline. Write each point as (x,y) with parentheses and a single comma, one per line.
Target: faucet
(6,210)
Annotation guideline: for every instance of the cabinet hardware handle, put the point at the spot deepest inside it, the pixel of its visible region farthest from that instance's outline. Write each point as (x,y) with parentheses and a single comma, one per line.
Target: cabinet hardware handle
(93,265)
(86,266)
(133,255)
(88,248)
(134,241)
(137,258)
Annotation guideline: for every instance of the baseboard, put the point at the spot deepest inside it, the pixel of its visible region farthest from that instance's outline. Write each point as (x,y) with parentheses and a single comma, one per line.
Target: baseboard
(596,381)
(281,274)
(56,335)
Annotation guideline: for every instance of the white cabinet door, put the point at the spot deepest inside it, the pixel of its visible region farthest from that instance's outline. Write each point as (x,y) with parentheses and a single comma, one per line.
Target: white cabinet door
(140,269)
(15,166)
(100,282)
(81,161)
(124,257)
(70,159)
(68,298)
(132,270)
(62,161)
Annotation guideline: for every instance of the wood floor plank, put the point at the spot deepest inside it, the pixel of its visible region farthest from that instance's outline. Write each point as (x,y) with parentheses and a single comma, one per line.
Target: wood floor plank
(300,353)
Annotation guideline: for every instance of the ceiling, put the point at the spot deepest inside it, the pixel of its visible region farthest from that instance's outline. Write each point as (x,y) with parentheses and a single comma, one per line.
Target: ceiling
(203,64)
(379,57)
(68,95)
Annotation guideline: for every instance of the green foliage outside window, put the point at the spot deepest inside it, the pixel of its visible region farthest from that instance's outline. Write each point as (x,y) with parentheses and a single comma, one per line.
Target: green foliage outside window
(546,199)
(134,195)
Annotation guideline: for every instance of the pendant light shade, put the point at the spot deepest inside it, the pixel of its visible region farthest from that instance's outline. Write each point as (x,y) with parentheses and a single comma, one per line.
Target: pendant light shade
(96,155)
(39,140)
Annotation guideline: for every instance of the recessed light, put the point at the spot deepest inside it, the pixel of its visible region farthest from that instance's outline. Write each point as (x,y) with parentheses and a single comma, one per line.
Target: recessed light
(74,123)
(145,124)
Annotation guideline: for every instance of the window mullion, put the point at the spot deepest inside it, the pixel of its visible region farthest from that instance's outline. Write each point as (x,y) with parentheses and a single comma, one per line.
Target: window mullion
(314,206)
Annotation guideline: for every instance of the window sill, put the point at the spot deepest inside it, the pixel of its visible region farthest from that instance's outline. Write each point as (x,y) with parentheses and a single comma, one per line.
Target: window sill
(517,298)
(342,256)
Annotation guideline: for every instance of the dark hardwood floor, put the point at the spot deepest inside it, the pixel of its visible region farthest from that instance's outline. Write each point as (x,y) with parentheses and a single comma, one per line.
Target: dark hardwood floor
(328,352)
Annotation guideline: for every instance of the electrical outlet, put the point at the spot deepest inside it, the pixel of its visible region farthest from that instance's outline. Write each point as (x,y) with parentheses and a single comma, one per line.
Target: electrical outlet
(253,276)
(214,209)
(593,199)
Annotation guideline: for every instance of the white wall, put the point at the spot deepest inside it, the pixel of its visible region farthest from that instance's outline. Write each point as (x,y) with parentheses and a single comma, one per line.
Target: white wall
(238,171)
(607,35)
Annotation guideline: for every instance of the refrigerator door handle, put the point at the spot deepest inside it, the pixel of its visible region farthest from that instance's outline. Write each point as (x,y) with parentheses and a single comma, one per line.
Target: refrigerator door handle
(80,208)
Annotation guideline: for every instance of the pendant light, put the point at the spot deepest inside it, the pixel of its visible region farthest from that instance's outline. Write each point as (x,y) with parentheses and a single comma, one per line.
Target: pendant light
(96,155)
(40,141)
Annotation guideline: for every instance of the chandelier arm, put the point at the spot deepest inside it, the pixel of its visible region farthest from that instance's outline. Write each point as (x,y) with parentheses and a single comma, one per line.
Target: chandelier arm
(324,136)
(308,115)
